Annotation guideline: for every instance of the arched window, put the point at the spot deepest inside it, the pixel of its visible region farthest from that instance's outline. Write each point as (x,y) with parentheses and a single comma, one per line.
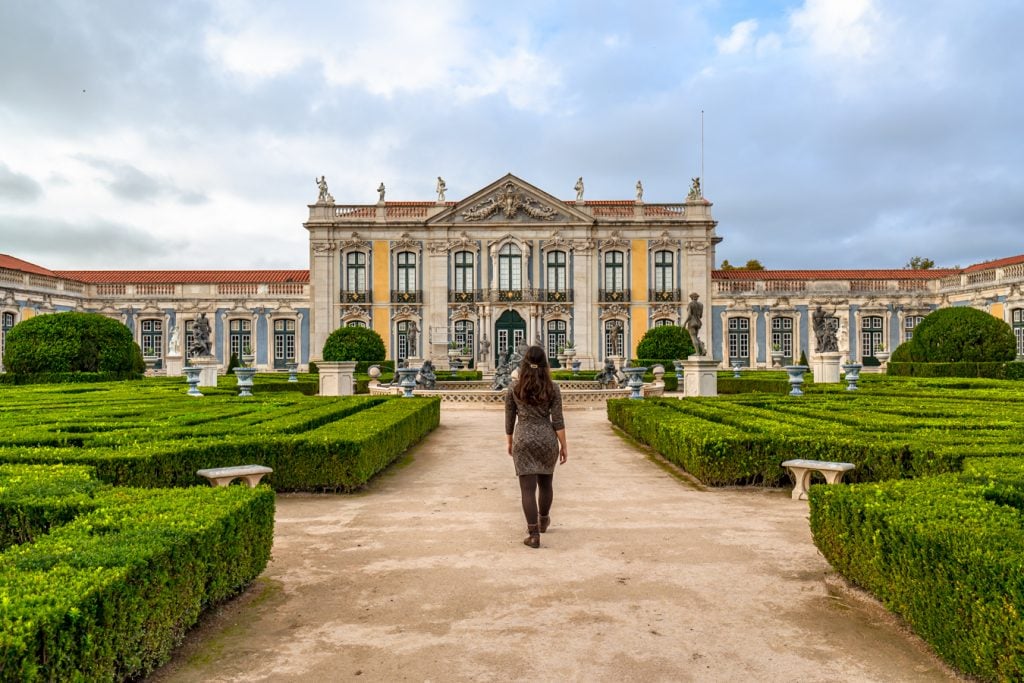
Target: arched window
(614,336)
(782,336)
(402,331)
(152,339)
(556,339)
(510,268)
(1017,318)
(556,278)
(356,323)
(664,322)
(406,271)
(739,341)
(870,335)
(614,271)
(355,273)
(284,342)
(240,337)
(464,281)
(664,277)
(6,323)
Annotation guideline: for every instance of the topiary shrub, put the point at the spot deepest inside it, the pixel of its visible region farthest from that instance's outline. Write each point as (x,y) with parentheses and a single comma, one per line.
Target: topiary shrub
(354,343)
(72,342)
(665,341)
(957,335)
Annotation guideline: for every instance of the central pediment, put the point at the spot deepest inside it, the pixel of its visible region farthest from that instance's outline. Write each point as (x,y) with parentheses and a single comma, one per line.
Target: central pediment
(511,200)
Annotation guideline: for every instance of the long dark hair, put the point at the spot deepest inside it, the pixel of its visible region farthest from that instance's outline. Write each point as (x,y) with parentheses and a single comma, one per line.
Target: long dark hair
(534,385)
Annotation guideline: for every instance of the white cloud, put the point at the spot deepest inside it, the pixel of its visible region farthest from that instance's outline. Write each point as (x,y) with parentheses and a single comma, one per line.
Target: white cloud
(838,28)
(738,39)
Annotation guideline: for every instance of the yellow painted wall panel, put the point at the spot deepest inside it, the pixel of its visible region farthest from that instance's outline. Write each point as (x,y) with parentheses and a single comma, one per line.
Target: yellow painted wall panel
(381,274)
(27,313)
(638,316)
(639,266)
(997,310)
(381,325)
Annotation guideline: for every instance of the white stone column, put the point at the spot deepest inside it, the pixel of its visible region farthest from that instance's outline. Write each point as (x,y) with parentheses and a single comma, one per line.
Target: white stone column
(584,305)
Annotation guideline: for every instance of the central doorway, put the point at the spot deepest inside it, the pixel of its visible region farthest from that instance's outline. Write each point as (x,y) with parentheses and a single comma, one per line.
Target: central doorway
(509,332)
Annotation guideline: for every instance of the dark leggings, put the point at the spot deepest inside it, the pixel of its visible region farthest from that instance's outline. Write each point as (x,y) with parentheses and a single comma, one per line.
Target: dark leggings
(536,489)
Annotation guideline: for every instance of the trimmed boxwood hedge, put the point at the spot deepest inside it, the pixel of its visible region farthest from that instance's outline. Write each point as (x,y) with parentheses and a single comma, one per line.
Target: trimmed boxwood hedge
(107,595)
(993,370)
(944,553)
(71,342)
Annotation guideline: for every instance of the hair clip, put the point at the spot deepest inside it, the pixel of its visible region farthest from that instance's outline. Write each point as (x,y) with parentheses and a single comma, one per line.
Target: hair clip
(533,365)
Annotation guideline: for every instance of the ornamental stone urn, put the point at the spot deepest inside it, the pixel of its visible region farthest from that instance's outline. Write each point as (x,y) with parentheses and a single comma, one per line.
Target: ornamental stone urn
(635,381)
(192,378)
(736,367)
(293,369)
(407,380)
(852,371)
(796,378)
(243,376)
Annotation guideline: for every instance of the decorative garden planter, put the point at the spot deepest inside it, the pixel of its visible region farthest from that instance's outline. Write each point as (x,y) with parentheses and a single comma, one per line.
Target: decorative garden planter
(248,359)
(576,366)
(407,380)
(777,359)
(796,378)
(570,352)
(635,381)
(852,371)
(679,371)
(293,370)
(192,378)
(736,367)
(244,378)
(882,356)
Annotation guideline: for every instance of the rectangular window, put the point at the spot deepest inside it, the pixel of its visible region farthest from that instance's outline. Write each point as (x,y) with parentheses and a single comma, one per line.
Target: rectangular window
(556,276)
(739,339)
(152,338)
(613,338)
(556,337)
(614,271)
(663,276)
(355,272)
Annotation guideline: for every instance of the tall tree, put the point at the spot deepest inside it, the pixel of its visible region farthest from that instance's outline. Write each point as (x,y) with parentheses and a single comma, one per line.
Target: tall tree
(727,266)
(920,263)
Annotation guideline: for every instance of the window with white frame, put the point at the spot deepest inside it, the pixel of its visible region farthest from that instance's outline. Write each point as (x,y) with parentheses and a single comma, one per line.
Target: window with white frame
(739,340)
(510,268)
(614,271)
(284,341)
(464,334)
(464,281)
(782,335)
(556,337)
(356,323)
(402,339)
(614,338)
(6,323)
(556,280)
(406,271)
(870,335)
(152,338)
(909,323)
(664,322)
(240,337)
(663,271)
(355,272)
(1017,317)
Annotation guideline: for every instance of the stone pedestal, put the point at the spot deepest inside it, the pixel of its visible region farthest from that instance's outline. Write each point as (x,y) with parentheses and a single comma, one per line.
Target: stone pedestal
(337,378)
(700,376)
(208,370)
(825,367)
(173,364)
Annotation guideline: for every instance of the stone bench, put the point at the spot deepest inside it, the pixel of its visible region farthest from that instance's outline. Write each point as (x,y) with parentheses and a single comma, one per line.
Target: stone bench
(222,476)
(802,470)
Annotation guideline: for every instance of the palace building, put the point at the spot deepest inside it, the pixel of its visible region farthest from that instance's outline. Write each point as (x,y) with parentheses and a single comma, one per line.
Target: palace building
(511,263)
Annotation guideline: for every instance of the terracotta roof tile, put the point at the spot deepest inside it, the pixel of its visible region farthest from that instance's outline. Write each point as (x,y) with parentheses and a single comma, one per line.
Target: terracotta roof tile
(185,276)
(998,263)
(12,263)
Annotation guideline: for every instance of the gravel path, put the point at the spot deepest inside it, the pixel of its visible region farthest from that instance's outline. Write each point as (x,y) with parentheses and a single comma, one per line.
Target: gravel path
(643,576)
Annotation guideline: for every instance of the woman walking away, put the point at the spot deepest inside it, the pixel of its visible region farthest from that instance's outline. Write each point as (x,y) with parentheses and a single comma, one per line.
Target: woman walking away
(537,440)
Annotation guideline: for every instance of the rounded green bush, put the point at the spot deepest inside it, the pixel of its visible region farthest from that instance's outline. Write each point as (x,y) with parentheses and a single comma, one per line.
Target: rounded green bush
(354,343)
(71,342)
(956,335)
(666,341)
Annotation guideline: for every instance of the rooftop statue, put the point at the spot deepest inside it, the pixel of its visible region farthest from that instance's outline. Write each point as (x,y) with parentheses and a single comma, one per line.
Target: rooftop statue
(441,187)
(695,191)
(324,197)
(639,191)
(380,192)
(579,189)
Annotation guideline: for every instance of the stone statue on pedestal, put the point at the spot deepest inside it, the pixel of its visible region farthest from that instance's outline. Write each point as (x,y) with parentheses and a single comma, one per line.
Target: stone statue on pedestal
(824,333)
(485,348)
(608,374)
(325,196)
(695,191)
(427,376)
(441,187)
(694,313)
(579,189)
(201,345)
(172,344)
(502,374)
(380,192)
(639,192)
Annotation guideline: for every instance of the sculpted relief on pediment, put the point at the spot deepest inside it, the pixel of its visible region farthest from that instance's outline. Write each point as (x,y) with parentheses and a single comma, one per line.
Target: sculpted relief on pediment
(509,202)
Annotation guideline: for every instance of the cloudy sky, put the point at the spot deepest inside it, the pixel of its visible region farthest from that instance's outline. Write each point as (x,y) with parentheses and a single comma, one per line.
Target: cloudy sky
(837,133)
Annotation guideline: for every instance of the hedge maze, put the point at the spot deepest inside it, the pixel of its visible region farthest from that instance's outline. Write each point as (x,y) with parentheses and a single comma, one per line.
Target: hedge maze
(935,529)
(111,547)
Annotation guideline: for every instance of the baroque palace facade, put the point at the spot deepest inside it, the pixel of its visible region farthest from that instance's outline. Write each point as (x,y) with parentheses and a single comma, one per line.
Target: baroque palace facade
(506,264)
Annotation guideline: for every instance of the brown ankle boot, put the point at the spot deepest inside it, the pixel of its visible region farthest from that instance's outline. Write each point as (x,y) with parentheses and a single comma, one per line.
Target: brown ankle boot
(533,540)
(545,522)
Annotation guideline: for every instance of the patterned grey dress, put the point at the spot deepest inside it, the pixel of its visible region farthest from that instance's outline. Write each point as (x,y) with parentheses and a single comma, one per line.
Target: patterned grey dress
(534,444)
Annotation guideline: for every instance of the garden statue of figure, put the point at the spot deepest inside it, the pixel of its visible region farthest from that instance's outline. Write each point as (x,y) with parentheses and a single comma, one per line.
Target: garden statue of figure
(516,357)
(485,347)
(502,375)
(201,345)
(325,196)
(579,189)
(824,333)
(428,378)
(694,313)
(441,187)
(639,192)
(380,192)
(695,191)
(410,337)
(608,374)
(172,344)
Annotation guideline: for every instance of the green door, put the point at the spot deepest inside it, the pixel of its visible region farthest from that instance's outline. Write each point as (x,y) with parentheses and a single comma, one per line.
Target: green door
(509,331)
